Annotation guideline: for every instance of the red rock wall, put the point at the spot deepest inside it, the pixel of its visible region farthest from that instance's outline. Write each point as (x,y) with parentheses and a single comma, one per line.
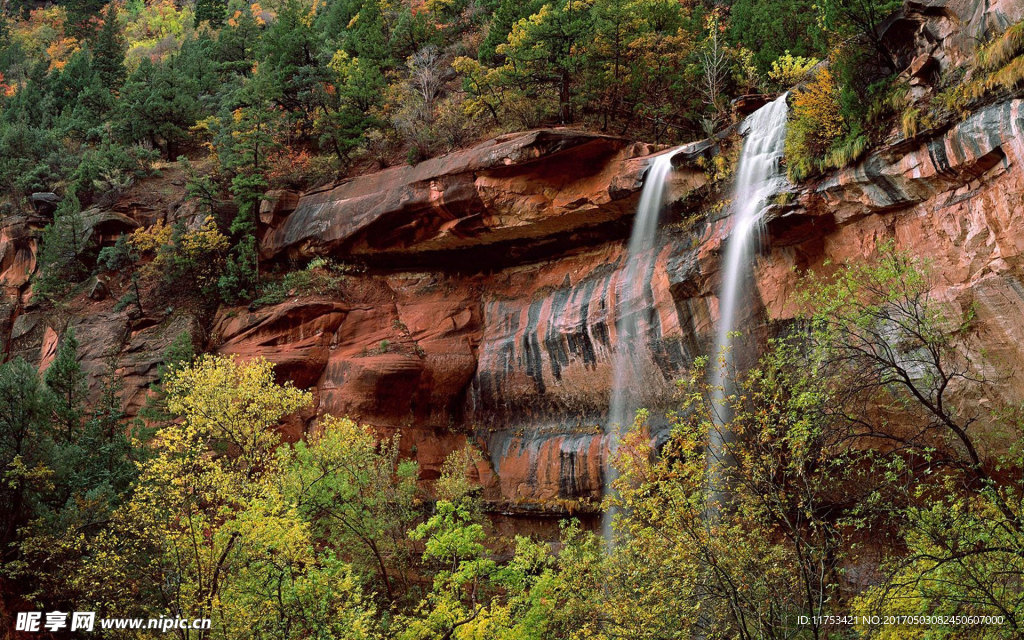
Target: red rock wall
(502,331)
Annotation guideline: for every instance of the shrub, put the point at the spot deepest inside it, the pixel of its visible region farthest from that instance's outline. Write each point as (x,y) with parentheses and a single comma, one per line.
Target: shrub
(1003,49)
(999,65)
(1002,61)
(183,260)
(109,169)
(815,124)
(320,277)
(789,70)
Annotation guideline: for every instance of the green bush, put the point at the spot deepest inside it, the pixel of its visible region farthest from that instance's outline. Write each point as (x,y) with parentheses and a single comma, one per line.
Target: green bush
(110,168)
(320,277)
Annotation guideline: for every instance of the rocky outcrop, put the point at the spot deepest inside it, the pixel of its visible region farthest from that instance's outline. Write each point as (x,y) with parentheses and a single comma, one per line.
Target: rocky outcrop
(510,191)
(945,33)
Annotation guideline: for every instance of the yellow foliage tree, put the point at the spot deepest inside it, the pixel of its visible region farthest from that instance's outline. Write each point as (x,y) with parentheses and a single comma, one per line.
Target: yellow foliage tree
(815,124)
(211,532)
(194,257)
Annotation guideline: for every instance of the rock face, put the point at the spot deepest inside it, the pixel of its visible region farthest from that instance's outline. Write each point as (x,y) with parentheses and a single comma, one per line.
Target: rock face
(510,191)
(946,32)
(517,357)
(956,199)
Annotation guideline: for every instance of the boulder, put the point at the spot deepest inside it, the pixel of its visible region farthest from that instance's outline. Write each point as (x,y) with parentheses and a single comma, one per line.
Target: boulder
(44,203)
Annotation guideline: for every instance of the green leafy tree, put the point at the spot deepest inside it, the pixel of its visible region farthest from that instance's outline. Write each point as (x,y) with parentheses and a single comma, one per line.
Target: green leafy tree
(209,528)
(454,543)
(638,68)
(360,497)
(508,14)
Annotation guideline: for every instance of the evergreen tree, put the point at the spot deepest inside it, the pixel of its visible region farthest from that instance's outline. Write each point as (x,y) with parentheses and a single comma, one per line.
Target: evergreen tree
(25,450)
(62,251)
(159,103)
(770,29)
(238,41)
(860,19)
(80,16)
(293,60)
(545,51)
(93,472)
(509,12)
(211,11)
(108,49)
(64,377)
(348,113)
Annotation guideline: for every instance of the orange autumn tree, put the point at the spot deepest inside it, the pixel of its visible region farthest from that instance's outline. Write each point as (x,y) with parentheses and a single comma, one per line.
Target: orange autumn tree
(815,124)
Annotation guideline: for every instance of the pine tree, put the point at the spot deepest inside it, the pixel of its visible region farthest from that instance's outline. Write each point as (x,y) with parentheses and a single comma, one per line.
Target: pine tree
(62,250)
(25,449)
(211,11)
(159,102)
(508,14)
(64,377)
(546,51)
(108,50)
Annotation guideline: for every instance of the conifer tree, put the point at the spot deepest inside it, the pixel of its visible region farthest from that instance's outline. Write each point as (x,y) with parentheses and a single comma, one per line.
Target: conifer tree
(64,377)
(108,50)
(159,103)
(211,11)
(25,449)
(61,251)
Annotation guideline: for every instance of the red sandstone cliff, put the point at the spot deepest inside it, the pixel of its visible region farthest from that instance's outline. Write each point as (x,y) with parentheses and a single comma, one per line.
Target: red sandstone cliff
(487,309)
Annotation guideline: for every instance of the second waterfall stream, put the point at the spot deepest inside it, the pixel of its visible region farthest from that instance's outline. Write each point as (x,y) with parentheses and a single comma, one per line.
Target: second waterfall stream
(759,178)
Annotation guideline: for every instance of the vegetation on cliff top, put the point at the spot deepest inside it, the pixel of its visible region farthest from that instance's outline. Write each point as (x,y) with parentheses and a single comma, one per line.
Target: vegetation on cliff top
(297,93)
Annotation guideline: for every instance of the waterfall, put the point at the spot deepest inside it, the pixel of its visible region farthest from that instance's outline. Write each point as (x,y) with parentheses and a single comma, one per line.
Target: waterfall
(628,359)
(758,178)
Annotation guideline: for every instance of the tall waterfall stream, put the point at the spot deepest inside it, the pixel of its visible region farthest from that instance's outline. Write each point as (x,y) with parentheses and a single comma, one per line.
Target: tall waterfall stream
(630,337)
(759,177)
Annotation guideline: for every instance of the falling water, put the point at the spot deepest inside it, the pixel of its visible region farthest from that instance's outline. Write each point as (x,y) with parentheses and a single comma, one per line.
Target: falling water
(627,360)
(758,178)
